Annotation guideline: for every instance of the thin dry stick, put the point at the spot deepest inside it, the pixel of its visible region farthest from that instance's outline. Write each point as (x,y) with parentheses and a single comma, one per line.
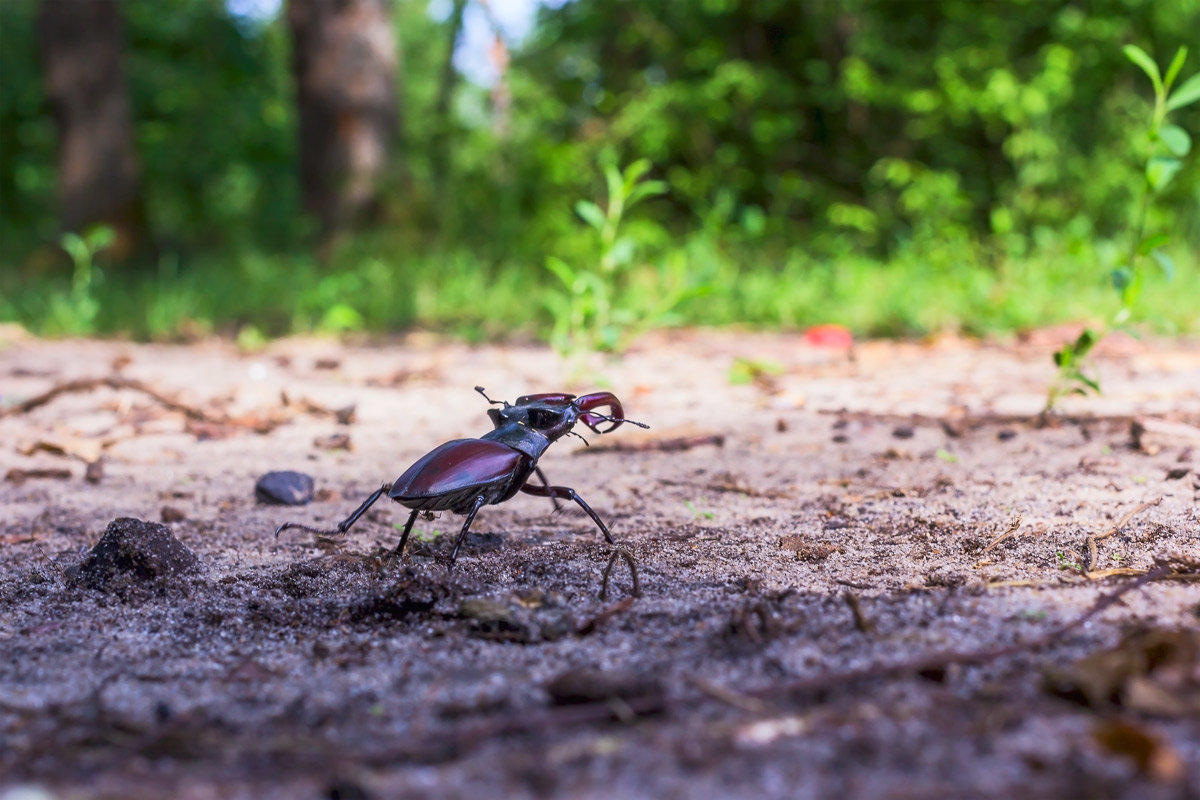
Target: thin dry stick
(1093,557)
(1013,527)
(861,621)
(726,695)
(113,382)
(673,445)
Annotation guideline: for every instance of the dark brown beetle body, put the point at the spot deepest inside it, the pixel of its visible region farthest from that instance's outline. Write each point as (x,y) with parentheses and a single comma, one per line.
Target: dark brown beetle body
(466,474)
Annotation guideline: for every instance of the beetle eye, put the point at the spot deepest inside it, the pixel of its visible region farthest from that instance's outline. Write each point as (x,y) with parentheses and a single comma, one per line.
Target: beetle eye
(541,418)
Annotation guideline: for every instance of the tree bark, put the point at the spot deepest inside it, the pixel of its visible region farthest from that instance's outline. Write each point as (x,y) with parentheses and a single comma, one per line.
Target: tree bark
(99,177)
(345,60)
(439,156)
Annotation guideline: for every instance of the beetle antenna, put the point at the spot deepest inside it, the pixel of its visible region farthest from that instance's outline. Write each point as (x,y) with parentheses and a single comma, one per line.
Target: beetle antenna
(585,441)
(607,418)
(490,400)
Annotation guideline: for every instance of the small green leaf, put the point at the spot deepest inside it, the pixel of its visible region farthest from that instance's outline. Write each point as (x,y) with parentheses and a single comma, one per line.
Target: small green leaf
(1186,94)
(1139,56)
(947,456)
(562,269)
(1084,343)
(1090,383)
(1176,65)
(1166,262)
(99,237)
(1152,242)
(1064,356)
(75,246)
(591,213)
(646,189)
(635,171)
(615,183)
(1176,139)
(1160,170)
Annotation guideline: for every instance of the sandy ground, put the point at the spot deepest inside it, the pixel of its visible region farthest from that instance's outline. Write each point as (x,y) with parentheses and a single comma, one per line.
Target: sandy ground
(819,588)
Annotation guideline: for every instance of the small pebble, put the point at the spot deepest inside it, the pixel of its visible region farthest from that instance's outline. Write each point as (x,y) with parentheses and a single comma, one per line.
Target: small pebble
(172,514)
(284,488)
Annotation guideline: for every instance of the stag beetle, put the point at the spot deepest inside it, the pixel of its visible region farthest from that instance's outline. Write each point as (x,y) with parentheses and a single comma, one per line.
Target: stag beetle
(464,475)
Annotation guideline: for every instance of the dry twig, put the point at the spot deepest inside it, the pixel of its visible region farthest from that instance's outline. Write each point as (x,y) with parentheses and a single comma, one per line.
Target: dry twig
(1093,556)
(672,445)
(1013,527)
(112,382)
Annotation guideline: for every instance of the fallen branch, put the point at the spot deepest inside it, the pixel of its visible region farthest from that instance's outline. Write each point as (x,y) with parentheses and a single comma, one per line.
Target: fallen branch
(113,382)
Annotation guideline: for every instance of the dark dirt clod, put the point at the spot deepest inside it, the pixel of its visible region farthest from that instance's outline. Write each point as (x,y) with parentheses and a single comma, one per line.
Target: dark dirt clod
(415,591)
(134,552)
(284,488)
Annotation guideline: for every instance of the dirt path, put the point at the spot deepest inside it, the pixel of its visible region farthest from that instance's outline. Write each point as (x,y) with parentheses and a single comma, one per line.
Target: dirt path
(853,518)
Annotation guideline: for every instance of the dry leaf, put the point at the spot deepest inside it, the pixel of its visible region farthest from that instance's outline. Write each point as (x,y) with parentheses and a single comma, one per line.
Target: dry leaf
(1153,755)
(86,450)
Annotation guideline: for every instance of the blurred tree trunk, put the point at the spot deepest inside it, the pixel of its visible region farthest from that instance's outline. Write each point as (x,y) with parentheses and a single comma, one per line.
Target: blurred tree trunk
(345,60)
(439,156)
(99,181)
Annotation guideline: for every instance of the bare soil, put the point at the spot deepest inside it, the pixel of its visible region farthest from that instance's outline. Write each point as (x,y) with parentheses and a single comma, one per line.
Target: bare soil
(823,567)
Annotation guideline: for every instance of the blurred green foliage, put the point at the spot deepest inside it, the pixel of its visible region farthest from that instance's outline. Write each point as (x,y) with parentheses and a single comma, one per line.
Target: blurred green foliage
(892,165)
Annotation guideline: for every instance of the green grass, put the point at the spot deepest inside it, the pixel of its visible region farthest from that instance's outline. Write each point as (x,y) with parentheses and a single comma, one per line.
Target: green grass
(378,285)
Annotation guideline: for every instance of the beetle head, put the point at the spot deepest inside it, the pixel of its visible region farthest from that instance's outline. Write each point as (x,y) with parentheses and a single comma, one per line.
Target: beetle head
(554,414)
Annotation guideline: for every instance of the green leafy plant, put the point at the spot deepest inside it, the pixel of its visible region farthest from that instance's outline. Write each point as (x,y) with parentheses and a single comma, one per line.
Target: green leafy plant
(601,308)
(1169,144)
(75,312)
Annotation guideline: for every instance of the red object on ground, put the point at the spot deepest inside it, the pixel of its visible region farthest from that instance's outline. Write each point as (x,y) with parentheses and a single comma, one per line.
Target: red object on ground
(835,337)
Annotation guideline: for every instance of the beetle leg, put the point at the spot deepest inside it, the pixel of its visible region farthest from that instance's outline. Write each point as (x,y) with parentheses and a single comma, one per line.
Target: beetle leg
(542,477)
(466,524)
(565,493)
(404,536)
(345,524)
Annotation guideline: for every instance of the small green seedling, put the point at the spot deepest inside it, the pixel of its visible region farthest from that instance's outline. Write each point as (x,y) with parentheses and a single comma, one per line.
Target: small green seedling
(1066,563)
(76,312)
(423,536)
(699,514)
(947,456)
(1168,144)
(748,370)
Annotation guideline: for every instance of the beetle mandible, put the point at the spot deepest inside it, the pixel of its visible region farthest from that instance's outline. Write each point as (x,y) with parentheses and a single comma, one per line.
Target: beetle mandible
(464,475)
